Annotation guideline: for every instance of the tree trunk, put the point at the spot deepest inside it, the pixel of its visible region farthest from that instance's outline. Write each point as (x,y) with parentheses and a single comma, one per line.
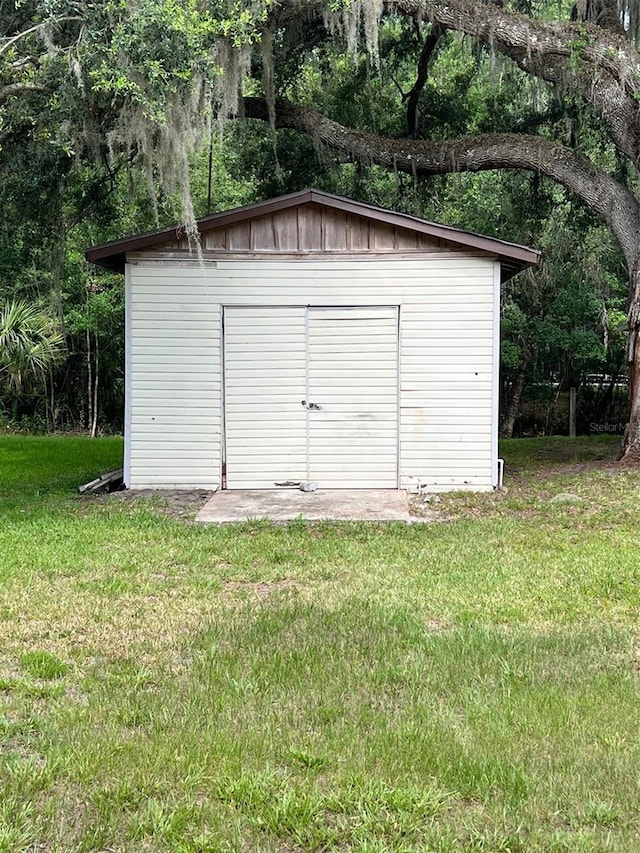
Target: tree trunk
(47,421)
(413,96)
(94,422)
(89,382)
(600,66)
(551,408)
(606,397)
(513,407)
(52,400)
(631,439)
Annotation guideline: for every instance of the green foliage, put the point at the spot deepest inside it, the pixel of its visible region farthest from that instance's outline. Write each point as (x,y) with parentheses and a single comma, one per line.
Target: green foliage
(514,326)
(102,311)
(161,45)
(30,345)
(126,100)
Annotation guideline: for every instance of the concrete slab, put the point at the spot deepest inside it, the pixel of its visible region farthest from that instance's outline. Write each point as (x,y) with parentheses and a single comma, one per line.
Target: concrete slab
(322,505)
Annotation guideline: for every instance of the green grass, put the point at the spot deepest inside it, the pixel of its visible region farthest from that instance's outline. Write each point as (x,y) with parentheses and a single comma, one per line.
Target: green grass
(43,665)
(470,685)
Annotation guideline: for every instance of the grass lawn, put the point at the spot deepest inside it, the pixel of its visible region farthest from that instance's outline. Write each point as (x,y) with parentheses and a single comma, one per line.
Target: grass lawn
(467,685)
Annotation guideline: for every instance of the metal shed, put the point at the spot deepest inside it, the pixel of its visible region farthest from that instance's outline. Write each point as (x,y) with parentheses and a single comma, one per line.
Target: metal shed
(317,339)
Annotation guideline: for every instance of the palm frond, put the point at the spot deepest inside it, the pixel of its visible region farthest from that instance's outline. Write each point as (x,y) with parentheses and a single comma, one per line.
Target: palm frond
(30,344)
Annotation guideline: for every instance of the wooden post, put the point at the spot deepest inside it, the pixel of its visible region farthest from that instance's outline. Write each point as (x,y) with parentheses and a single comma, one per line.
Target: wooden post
(572,412)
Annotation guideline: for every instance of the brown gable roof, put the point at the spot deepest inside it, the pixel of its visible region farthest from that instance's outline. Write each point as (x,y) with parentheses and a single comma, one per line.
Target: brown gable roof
(512,256)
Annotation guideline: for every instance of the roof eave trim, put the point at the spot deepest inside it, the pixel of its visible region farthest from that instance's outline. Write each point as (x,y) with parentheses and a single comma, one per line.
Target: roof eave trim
(112,255)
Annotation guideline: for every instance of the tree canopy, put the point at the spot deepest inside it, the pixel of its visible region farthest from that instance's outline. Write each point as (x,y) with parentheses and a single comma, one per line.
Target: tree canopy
(105,105)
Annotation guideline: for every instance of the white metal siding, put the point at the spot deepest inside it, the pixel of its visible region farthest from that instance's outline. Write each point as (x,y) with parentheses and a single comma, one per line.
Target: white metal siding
(446,386)
(265,422)
(175,380)
(353,378)
(447,357)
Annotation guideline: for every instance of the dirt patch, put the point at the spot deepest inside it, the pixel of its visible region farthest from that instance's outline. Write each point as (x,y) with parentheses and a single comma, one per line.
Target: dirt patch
(631,460)
(53,615)
(176,503)
(260,589)
(426,508)
(436,625)
(14,749)
(549,469)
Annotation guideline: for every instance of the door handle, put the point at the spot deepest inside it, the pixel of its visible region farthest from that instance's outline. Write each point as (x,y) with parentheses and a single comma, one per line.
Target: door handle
(311,406)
